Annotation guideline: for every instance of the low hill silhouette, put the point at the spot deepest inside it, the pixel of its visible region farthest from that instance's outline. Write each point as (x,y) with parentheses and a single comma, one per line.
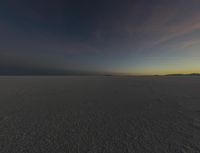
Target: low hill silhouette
(191,74)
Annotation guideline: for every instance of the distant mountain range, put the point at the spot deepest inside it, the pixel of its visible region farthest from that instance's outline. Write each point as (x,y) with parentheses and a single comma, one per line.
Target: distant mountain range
(191,74)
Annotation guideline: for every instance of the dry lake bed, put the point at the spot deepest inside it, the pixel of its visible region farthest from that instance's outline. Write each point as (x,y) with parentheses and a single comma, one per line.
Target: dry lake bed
(99,114)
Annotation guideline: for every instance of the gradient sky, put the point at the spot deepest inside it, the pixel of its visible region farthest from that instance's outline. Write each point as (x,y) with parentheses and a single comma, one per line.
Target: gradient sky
(99,36)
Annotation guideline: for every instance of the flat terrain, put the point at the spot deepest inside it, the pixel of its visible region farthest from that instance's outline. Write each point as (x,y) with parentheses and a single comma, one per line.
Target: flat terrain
(99,114)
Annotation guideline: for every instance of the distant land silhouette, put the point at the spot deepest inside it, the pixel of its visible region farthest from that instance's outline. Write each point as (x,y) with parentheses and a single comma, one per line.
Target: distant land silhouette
(191,74)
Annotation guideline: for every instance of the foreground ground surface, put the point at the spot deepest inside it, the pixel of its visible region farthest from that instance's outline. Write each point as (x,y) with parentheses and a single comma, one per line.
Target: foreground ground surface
(99,115)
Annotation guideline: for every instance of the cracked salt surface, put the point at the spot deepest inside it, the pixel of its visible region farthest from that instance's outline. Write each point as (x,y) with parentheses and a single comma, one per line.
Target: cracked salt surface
(100,114)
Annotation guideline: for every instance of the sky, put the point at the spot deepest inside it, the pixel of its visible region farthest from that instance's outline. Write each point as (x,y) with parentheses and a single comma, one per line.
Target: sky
(136,37)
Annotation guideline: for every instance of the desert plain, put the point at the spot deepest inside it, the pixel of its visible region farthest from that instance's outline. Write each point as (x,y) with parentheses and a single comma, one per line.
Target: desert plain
(99,114)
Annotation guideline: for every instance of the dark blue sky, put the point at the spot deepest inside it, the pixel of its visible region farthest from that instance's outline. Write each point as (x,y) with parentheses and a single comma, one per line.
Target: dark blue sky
(99,36)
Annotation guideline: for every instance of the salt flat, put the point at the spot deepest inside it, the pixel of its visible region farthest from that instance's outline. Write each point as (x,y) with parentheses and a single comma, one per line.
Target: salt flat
(97,114)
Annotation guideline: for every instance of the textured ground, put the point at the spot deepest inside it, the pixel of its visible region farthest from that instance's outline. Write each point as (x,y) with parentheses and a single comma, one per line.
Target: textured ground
(99,115)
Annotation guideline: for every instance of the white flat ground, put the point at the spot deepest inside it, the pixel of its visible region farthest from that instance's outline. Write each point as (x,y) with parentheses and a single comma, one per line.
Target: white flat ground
(99,114)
